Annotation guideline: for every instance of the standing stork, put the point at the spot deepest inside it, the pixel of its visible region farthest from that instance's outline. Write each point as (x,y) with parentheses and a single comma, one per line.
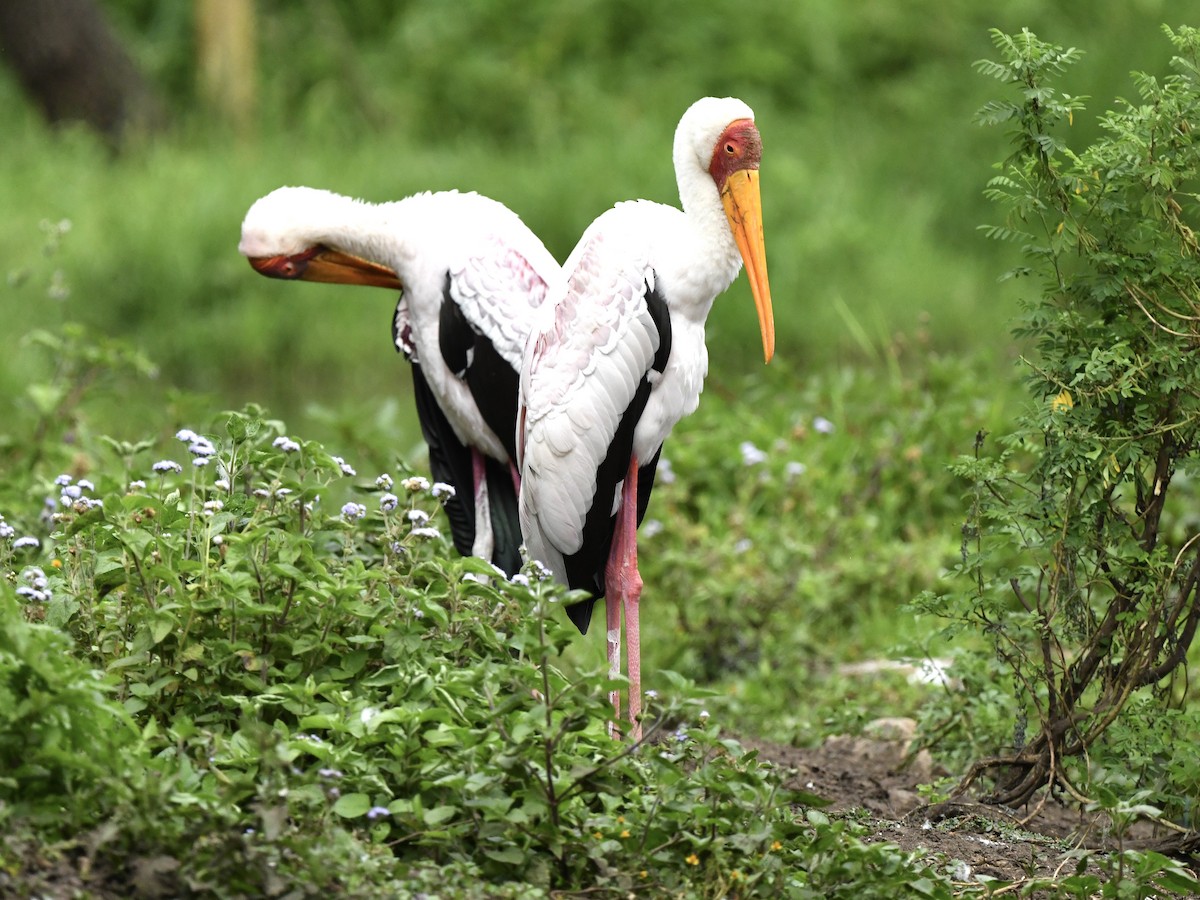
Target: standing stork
(472,276)
(621,358)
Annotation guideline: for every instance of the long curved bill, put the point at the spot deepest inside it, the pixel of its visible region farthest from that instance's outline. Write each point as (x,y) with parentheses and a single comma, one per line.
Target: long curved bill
(328,266)
(743,208)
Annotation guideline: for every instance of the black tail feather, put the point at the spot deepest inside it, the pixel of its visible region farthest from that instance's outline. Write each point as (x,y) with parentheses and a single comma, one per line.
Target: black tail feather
(506,519)
(449,461)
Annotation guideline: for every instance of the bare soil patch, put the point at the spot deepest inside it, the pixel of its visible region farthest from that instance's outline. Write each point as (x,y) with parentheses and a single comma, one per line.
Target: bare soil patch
(875,779)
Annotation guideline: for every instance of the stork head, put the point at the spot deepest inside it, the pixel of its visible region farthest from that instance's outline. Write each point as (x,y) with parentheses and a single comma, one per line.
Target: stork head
(290,233)
(718,136)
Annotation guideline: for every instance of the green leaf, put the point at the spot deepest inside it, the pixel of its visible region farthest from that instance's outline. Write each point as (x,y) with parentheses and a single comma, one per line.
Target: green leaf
(439,815)
(352,806)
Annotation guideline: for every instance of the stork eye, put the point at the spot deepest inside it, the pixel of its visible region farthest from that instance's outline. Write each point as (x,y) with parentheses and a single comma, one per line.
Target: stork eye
(730,148)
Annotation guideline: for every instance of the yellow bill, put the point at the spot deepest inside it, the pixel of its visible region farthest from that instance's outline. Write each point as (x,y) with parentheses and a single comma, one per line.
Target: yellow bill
(743,208)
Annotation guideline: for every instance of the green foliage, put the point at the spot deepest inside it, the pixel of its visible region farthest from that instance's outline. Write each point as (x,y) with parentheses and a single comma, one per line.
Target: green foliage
(60,730)
(206,671)
(821,506)
(1079,549)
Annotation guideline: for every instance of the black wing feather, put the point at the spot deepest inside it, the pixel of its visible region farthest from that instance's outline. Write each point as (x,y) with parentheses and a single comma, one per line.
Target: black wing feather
(449,461)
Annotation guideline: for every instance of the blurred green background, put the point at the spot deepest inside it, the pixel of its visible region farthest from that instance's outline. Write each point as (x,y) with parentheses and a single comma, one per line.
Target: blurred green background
(872,178)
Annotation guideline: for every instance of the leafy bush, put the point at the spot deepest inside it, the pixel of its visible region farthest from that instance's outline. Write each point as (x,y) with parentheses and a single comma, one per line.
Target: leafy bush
(1080,548)
(288,683)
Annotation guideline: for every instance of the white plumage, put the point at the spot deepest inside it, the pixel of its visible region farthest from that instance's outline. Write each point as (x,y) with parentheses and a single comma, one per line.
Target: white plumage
(473,277)
(621,357)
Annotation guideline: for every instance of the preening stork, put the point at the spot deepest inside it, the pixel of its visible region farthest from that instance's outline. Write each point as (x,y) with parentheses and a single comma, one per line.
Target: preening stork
(472,276)
(621,358)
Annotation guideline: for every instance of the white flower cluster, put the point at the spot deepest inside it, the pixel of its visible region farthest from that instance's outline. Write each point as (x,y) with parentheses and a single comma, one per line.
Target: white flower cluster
(201,448)
(72,493)
(751,455)
(7,532)
(346,468)
(37,587)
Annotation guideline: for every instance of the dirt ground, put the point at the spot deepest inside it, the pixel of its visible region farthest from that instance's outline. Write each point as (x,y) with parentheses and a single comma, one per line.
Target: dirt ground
(968,838)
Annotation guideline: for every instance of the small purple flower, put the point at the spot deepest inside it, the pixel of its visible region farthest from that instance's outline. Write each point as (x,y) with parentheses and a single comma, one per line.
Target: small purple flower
(167,465)
(186,435)
(822,425)
(200,461)
(418,517)
(440,489)
(795,469)
(384,482)
(136,485)
(388,502)
(63,480)
(520,578)
(415,483)
(27,541)
(286,444)
(353,511)
(742,546)
(346,468)
(651,527)
(6,530)
(329,773)
(376,812)
(431,533)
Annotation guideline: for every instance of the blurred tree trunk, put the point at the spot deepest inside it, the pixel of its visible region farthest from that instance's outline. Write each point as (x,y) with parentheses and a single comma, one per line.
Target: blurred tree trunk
(71,64)
(226,39)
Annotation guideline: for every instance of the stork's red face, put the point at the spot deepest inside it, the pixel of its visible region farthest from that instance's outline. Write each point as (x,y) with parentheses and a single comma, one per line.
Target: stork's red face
(734,168)
(322,264)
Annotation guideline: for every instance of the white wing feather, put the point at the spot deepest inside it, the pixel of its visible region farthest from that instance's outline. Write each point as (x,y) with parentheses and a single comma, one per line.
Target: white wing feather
(499,290)
(581,373)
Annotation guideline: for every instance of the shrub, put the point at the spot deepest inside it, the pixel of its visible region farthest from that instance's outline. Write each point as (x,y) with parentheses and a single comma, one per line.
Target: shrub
(1080,547)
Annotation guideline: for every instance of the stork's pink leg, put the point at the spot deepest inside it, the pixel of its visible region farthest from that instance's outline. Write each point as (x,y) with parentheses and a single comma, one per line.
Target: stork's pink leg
(516,476)
(612,634)
(623,583)
(485,540)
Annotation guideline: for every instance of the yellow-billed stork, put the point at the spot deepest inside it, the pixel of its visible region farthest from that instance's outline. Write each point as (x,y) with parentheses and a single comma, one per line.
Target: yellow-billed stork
(472,276)
(621,358)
